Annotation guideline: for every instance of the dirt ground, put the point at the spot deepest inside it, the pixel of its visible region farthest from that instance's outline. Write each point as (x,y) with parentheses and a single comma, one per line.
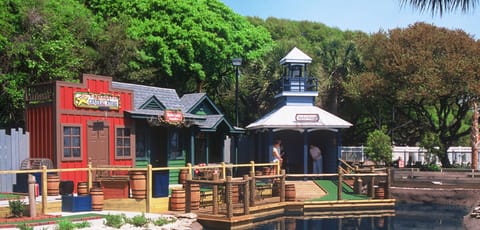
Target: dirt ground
(469,198)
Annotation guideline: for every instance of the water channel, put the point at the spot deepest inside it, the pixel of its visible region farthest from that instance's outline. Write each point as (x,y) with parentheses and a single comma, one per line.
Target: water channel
(407,216)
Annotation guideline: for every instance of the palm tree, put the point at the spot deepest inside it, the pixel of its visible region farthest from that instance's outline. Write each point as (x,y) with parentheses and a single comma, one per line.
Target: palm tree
(442,6)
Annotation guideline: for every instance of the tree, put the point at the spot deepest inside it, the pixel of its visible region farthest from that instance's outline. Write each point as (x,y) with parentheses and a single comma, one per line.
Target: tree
(40,41)
(379,147)
(428,75)
(442,6)
(186,45)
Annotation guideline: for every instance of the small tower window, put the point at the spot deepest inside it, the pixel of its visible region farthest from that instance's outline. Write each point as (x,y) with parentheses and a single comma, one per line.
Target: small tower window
(296,70)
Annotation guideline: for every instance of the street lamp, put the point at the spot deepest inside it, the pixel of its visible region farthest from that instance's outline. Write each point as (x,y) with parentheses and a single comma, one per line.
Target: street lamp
(236,62)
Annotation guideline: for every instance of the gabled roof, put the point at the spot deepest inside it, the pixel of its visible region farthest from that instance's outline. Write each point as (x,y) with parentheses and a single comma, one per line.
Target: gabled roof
(213,118)
(296,56)
(299,117)
(142,93)
(192,101)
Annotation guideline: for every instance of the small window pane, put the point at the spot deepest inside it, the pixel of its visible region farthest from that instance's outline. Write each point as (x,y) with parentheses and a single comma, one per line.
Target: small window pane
(76,152)
(76,131)
(76,142)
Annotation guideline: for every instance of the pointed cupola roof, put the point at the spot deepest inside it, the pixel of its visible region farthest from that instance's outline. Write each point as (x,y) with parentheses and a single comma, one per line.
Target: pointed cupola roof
(296,56)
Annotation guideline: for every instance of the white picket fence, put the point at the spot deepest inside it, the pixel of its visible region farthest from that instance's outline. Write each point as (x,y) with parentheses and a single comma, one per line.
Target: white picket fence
(456,154)
(14,148)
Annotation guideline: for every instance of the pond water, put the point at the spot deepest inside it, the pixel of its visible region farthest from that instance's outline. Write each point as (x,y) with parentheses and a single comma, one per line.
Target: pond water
(407,216)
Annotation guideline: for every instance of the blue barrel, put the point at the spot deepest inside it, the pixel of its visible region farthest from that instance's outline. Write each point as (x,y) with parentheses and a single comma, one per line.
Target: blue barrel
(160,182)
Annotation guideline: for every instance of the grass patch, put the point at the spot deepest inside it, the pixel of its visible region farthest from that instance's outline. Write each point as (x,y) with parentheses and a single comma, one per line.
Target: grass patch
(330,187)
(59,218)
(10,196)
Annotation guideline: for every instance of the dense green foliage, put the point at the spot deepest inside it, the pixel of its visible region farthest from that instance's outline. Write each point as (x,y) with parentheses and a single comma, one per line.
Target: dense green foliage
(419,80)
(379,147)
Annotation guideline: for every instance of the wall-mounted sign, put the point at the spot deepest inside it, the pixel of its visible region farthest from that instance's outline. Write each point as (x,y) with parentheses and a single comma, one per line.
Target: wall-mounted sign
(173,116)
(307,117)
(96,101)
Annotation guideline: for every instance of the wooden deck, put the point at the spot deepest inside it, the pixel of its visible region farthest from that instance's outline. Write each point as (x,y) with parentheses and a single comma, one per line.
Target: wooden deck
(271,208)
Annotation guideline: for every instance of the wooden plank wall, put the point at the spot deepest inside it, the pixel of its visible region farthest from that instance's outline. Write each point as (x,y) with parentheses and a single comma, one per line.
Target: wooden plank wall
(13,149)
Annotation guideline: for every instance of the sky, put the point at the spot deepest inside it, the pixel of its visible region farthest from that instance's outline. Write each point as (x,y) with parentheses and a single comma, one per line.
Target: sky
(369,16)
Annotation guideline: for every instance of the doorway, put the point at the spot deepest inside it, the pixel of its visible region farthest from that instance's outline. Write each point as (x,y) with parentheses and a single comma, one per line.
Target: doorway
(97,143)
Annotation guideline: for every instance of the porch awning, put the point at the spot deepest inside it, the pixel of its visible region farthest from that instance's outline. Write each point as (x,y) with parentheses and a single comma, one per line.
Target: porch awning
(299,117)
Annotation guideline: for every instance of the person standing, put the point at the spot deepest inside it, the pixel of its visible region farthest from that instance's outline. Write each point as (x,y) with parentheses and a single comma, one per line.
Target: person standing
(316,155)
(276,152)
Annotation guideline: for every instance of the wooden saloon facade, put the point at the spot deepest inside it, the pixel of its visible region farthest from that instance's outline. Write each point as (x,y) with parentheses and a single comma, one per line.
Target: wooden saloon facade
(111,123)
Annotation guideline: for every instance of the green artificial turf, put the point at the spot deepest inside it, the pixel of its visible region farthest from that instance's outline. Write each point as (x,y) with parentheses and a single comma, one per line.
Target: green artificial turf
(78,217)
(10,196)
(330,186)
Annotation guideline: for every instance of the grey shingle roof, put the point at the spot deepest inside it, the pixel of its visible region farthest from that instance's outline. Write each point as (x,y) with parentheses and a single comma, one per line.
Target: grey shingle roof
(191,99)
(168,97)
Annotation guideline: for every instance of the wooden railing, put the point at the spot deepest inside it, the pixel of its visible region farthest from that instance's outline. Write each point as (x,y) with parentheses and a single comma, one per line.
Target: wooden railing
(222,178)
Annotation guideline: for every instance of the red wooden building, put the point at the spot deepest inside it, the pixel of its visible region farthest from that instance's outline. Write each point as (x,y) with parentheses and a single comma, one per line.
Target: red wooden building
(120,124)
(76,123)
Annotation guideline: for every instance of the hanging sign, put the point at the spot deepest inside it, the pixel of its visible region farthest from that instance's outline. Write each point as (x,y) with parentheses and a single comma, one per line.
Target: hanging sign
(307,117)
(173,116)
(96,101)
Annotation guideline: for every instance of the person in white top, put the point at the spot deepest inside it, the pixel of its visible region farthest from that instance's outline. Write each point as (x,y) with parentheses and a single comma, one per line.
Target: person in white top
(277,157)
(316,155)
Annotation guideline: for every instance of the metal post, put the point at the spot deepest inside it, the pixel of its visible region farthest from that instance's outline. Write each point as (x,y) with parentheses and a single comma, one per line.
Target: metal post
(236,96)
(340,184)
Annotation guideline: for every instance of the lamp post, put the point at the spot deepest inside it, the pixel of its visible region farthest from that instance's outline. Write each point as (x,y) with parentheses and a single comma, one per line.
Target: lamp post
(236,62)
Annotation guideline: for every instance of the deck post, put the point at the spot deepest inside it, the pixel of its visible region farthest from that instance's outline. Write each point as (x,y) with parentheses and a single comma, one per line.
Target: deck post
(188,194)
(44,189)
(149,188)
(282,186)
(340,181)
(228,193)
(89,176)
(215,195)
(371,189)
(253,189)
(224,170)
(252,166)
(389,183)
(246,195)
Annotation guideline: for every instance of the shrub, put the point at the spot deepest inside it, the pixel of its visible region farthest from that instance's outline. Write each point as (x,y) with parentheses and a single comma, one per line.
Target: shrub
(17,207)
(24,226)
(164,220)
(115,221)
(65,224)
(139,220)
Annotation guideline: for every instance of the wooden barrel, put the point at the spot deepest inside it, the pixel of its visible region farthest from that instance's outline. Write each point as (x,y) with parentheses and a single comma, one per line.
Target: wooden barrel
(82,188)
(138,183)
(267,171)
(195,196)
(97,199)
(235,194)
(182,176)
(53,184)
(379,192)
(290,192)
(177,200)
(258,173)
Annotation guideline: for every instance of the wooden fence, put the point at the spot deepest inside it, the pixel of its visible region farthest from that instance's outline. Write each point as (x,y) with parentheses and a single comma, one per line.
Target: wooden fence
(14,148)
